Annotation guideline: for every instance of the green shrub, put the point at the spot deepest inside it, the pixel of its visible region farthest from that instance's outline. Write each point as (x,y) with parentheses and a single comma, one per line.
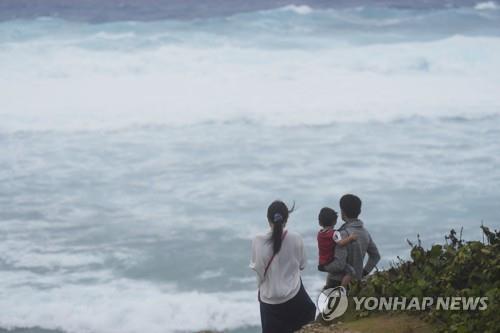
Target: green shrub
(457,268)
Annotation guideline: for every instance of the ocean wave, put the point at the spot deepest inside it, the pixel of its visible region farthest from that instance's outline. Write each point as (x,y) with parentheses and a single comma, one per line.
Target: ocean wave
(115,36)
(97,12)
(298,9)
(488,5)
(76,88)
(294,65)
(124,306)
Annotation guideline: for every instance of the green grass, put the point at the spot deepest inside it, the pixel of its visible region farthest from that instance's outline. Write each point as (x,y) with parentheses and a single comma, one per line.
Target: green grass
(386,323)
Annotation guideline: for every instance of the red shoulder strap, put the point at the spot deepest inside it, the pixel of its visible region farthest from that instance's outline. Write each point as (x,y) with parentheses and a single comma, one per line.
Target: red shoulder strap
(274,254)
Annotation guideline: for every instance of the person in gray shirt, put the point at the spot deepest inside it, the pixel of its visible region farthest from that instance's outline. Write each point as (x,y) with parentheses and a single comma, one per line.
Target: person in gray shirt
(354,253)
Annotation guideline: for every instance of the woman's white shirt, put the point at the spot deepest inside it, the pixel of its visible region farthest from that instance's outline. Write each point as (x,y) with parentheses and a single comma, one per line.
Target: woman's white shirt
(282,281)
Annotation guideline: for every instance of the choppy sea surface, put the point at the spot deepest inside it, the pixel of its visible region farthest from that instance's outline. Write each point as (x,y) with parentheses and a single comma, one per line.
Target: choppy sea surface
(142,145)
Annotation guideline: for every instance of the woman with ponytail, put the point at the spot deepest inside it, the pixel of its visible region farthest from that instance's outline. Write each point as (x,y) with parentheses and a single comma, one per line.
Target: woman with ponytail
(278,257)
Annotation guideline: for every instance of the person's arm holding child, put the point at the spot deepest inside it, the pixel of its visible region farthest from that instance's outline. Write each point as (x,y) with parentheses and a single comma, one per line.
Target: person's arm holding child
(347,240)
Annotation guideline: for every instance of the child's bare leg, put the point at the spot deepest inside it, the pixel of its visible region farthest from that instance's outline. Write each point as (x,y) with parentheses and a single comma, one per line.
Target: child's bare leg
(348,271)
(346,280)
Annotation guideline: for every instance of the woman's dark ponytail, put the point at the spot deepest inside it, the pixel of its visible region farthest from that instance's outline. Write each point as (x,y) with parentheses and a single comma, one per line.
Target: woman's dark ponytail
(277,235)
(277,215)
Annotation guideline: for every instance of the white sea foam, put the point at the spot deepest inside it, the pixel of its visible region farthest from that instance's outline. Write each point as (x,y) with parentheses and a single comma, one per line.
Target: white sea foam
(29,254)
(211,274)
(71,87)
(488,5)
(114,36)
(124,306)
(300,9)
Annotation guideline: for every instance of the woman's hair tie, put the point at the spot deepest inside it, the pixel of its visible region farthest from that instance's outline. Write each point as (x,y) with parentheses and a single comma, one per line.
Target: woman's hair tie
(277,218)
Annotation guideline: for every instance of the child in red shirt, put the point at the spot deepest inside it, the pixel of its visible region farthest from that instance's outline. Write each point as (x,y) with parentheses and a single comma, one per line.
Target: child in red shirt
(327,240)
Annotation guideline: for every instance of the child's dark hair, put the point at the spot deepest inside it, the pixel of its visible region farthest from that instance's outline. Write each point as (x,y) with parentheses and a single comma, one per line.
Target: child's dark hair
(277,215)
(327,217)
(350,205)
